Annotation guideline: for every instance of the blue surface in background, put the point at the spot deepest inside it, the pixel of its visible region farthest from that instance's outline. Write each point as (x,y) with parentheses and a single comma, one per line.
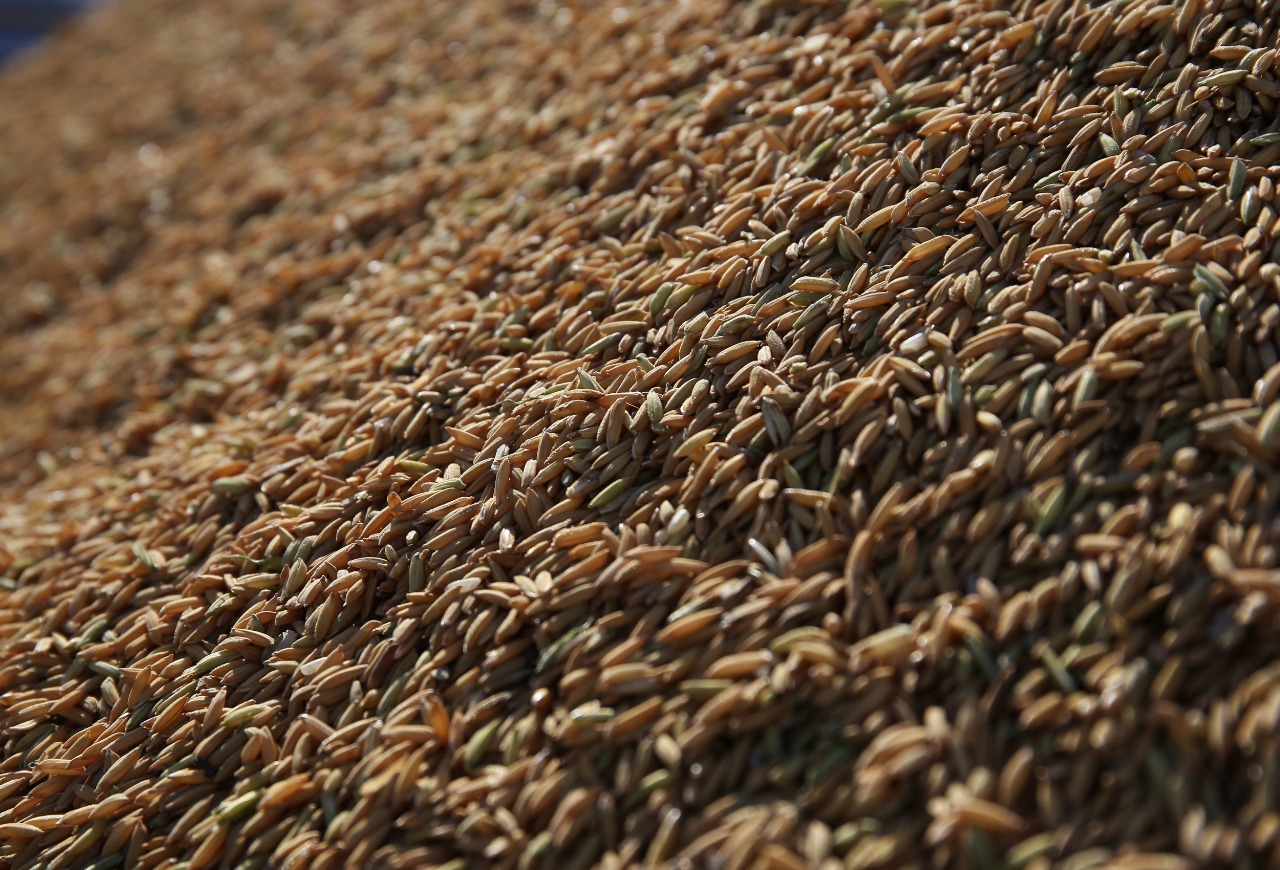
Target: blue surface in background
(23,22)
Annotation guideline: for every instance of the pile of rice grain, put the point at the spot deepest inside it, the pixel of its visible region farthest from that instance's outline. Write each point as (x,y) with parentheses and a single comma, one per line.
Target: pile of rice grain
(697,434)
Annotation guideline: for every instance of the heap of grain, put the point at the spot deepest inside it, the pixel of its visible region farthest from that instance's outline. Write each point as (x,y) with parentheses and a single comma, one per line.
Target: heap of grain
(500,434)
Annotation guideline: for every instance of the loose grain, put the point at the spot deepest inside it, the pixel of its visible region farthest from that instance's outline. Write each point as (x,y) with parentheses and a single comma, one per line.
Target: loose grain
(525,435)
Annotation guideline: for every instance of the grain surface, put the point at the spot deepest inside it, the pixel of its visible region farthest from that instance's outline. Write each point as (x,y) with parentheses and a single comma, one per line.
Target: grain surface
(675,434)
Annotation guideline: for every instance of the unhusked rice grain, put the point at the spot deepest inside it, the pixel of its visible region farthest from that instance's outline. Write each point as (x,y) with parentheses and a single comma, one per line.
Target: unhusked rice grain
(690,434)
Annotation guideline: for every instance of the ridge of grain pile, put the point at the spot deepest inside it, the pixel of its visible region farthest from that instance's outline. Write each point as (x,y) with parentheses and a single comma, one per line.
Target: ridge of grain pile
(691,434)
